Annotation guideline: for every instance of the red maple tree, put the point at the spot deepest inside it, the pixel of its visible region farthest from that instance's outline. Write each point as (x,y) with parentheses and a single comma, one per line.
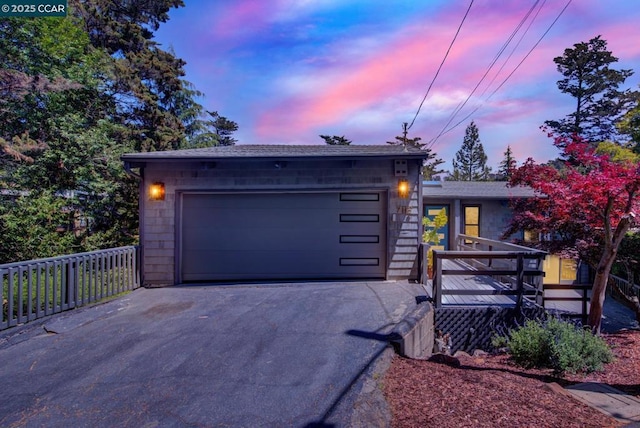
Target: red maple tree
(583,209)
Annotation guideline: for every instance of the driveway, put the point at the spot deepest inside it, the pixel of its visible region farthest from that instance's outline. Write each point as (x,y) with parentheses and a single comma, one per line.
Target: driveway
(202,356)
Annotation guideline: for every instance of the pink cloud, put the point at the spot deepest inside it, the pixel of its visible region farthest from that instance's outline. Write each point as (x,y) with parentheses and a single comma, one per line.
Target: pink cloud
(237,19)
(406,65)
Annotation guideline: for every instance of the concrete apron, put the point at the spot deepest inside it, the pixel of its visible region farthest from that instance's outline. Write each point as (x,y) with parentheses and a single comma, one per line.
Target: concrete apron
(244,355)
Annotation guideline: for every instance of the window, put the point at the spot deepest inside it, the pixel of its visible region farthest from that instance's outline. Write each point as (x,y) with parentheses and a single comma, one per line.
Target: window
(560,271)
(568,269)
(471,225)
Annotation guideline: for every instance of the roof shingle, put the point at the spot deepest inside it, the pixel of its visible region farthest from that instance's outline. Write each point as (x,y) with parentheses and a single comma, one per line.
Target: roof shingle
(475,190)
(268,151)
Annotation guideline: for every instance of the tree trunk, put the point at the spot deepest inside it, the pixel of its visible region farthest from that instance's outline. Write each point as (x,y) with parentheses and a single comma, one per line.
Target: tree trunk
(599,289)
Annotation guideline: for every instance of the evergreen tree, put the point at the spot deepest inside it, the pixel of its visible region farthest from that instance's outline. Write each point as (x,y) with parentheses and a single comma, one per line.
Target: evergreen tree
(334,140)
(145,80)
(215,131)
(75,94)
(224,128)
(470,163)
(600,104)
(507,165)
(630,126)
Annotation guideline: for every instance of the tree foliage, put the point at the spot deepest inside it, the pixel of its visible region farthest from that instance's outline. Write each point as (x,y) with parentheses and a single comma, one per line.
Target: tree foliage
(589,78)
(470,162)
(214,130)
(76,94)
(35,226)
(334,140)
(630,126)
(507,165)
(584,210)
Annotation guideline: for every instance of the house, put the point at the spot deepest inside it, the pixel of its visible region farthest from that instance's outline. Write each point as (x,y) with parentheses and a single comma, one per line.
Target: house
(278,212)
(475,208)
(481,208)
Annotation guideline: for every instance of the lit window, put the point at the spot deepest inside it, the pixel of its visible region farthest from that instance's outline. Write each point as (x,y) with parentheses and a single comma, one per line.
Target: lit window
(568,270)
(471,220)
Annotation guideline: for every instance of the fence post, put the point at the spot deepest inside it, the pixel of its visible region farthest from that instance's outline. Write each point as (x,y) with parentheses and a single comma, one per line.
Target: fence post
(520,280)
(437,278)
(422,263)
(10,321)
(540,281)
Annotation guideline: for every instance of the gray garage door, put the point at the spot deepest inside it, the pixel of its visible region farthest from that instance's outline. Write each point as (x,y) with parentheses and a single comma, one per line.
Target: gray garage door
(257,236)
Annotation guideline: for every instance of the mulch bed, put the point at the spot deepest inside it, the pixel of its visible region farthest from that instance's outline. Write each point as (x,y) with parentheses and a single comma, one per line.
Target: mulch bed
(490,391)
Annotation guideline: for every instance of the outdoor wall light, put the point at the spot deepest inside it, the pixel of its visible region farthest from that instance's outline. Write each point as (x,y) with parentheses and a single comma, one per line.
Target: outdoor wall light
(403,189)
(156,191)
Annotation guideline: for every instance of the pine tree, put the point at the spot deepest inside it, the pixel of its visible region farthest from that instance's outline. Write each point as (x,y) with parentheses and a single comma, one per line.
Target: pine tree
(507,165)
(470,163)
(600,104)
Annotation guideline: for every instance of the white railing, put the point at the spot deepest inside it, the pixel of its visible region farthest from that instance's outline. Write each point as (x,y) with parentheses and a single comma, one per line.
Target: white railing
(37,288)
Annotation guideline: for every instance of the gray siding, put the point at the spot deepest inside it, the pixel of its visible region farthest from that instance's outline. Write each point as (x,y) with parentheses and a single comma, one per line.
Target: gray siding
(158,218)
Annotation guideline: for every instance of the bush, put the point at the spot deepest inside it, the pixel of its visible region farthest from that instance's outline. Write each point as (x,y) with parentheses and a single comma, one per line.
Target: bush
(556,344)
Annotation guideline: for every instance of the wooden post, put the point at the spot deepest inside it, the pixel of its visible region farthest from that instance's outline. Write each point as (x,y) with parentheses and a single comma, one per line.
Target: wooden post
(424,249)
(520,280)
(585,299)
(437,278)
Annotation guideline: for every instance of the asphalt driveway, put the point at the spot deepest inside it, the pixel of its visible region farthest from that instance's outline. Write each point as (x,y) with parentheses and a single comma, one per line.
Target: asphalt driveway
(203,356)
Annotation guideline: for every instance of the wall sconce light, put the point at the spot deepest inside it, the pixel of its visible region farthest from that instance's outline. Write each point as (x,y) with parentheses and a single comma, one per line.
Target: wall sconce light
(403,189)
(156,191)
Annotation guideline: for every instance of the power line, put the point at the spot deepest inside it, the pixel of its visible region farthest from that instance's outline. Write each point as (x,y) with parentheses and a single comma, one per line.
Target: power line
(506,79)
(486,73)
(442,63)
(516,46)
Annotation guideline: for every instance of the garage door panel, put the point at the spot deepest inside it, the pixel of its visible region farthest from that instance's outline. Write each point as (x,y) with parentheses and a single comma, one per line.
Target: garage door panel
(280,236)
(295,265)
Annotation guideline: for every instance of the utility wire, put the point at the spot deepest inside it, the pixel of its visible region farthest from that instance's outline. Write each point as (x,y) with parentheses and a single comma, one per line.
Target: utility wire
(508,77)
(486,73)
(441,64)
(458,108)
(513,51)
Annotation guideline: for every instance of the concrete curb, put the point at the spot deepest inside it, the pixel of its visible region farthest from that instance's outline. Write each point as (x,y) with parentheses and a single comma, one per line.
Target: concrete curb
(414,335)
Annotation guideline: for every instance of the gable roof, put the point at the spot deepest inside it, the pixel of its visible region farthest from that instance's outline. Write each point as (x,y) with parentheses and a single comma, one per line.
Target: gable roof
(281,152)
(474,190)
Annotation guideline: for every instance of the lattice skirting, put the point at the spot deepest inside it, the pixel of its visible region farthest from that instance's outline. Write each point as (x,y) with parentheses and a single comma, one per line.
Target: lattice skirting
(473,328)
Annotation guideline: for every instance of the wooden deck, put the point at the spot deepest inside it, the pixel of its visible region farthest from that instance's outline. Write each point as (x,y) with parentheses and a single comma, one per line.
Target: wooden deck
(471,289)
(483,272)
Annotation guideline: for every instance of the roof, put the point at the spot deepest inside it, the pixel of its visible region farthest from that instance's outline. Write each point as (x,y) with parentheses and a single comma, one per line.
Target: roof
(474,190)
(281,152)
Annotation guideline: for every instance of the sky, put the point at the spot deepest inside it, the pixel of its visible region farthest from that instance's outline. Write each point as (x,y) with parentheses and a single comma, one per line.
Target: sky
(288,71)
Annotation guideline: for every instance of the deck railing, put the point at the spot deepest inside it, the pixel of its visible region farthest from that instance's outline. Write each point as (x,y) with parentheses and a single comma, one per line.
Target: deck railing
(625,287)
(518,268)
(37,288)
(572,300)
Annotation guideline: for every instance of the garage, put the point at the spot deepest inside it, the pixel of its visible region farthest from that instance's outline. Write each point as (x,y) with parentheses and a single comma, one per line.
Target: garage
(279,212)
(282,235)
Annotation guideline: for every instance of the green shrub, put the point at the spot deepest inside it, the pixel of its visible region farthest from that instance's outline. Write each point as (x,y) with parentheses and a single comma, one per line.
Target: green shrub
(558,345)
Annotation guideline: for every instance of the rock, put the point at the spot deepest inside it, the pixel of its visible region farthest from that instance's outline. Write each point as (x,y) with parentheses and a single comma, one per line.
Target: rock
(461,354)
